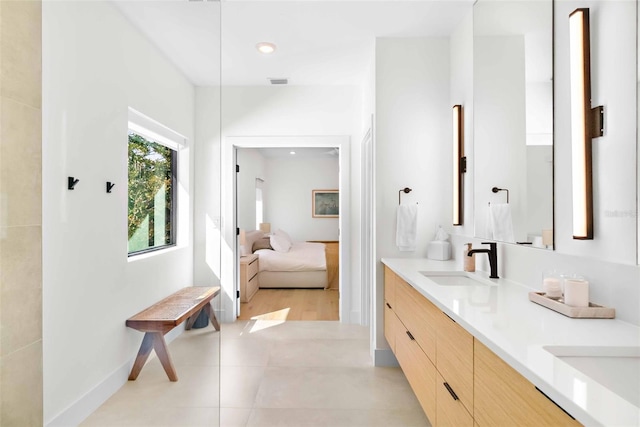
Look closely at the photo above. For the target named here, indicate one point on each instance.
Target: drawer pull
(388, 305)
(449, 317)
(451, 392)
(410, 336)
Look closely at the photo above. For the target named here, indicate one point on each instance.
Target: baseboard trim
(86, 405)
(384, 357)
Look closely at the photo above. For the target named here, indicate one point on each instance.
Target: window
(259, 204)
(152, 194)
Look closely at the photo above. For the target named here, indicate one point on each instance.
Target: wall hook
(71, 182)
(110, 186)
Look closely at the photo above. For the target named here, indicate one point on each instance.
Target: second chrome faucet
(492, 252)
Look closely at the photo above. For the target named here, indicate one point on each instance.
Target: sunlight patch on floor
(262, 324)
(274, 315)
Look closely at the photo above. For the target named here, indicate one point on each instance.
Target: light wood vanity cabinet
(419, 370)
(454, 359)
(420, 313)
(390, 319)
(401, 326)
(390, 326)
(457, 380)
(450, 412)
(390, 279)
(503, 397)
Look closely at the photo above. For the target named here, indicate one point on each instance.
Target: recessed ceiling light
(292, 152)
(265, 47)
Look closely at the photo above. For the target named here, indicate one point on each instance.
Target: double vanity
(477, 352)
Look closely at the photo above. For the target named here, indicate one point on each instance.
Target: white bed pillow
(284, 234)
(279, 243)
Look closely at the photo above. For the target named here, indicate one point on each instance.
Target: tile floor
(268, 373)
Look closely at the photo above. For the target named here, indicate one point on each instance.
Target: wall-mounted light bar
(586, 123)
(459, 163)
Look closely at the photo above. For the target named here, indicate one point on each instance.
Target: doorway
(339, 243)
(276, 190)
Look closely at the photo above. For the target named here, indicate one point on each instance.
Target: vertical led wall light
(586, 123)
(459, 163)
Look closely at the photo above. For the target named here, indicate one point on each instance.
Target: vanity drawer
(504, 397)
(419, 315)
(420, 372)
(390, 326)
(454, 358)
(451, 412)
(390, 280)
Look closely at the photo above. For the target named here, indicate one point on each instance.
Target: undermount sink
(616, 368)
(454, 278)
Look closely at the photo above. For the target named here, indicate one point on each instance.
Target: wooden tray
(594, 311)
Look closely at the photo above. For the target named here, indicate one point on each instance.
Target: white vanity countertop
(516, 329)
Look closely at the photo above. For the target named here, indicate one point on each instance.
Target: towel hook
(406, 190)
(496, 189)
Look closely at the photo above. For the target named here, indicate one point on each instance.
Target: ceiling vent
(279, 81)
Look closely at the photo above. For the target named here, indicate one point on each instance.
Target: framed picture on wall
(325, 204)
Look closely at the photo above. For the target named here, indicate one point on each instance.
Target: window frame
(174, 195)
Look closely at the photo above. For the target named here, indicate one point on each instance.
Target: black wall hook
(110, 186)
(71, 182)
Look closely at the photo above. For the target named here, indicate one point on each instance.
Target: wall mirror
(513, 121)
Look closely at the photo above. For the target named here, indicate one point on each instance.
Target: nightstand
(248, 277)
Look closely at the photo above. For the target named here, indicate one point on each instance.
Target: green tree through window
(151, 195)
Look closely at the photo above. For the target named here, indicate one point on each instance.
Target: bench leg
(143, 355)
(153, 340)
(191, 320)
(212, 316)
(162, 351)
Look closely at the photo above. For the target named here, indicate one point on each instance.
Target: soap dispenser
(469, 262)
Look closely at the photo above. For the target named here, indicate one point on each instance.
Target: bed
(303, 265)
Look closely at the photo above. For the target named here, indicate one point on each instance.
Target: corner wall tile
(20, 287)
(21, 373)
(21, 51)
(20, 163)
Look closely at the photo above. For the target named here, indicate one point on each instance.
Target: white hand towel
(501, 223)
(406, 227)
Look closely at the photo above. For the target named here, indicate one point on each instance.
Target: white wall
(207, 199)
(539, 202)
(290, 183)
(95, 65)
(499, 129)
(413, 134)
(363, 175)
(252, 165)
(613, 76)
(461, 89)
(609, 260)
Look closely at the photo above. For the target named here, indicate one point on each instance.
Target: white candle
(576, 292)
(552, 287)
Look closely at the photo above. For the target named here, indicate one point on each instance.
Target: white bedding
(303, 256)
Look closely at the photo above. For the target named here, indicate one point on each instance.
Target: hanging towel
(501, 223)
(406, 227)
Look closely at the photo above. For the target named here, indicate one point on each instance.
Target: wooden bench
(165, 315)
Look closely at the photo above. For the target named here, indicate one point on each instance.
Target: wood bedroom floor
(292, 304)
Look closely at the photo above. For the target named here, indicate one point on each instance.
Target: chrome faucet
(493, 257)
